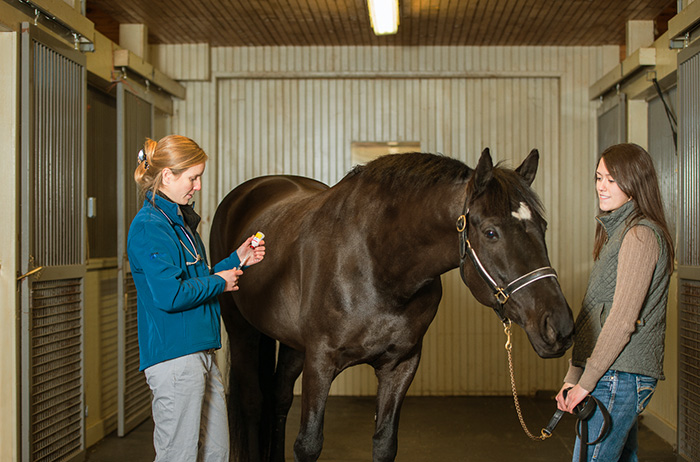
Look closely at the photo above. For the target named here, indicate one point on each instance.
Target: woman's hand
(251, 255)
(231, 278)
(561, 401)
(574, 396)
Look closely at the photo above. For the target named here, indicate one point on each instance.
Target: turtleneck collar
(611, 220)
(190, 217)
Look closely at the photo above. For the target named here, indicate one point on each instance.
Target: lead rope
(509, 346)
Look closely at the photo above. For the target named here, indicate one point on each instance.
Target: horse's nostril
(550, 333)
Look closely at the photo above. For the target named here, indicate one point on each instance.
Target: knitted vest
(644, 354)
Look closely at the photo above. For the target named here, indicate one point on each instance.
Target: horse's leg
(290, 363)
(251, 363)
(393, 382)
(319, 372)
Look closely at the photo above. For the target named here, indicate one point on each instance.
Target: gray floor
(432, 429)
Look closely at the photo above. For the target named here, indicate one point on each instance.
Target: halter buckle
(461, 223)
(501, 296)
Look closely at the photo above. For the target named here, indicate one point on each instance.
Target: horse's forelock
(506, 192)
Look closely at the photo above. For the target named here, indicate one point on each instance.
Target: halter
(501, 293)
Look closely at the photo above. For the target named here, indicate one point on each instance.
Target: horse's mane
(414, 172)
(411, 172)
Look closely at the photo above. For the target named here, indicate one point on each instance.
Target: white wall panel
(182, 62)
(297, 110)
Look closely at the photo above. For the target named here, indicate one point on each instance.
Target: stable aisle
(432, 429)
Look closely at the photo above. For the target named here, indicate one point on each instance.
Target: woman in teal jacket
(179, 325)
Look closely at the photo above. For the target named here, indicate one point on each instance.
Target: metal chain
(509, 346)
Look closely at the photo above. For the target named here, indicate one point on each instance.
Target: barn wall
(9, 226)
(296, 110)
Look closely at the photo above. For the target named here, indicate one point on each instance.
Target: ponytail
(178, 153)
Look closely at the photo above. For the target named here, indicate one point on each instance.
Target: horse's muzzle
(556, 334)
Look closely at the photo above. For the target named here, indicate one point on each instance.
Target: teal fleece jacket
(177, 309)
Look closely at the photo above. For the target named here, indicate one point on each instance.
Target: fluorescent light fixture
(384, 16)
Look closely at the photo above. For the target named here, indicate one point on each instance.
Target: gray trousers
(189, 410)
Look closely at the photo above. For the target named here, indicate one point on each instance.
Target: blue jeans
(625, 396)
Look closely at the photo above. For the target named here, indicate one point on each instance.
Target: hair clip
(142, 158)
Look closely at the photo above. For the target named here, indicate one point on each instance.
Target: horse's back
(251, 205)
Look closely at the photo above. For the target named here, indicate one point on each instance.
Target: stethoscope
(197, 257)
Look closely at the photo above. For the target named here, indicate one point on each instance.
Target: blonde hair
(178, 153)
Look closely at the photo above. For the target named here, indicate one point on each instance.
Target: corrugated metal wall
(296, 110)
(664, 406)
(689, 156)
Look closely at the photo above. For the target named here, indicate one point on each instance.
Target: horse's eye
(491, 234)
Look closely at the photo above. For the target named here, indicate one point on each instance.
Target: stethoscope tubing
(196, 254)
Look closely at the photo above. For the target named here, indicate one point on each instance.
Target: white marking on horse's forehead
(523, 213)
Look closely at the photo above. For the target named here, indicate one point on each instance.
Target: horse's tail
(252, 360)
(250, 403)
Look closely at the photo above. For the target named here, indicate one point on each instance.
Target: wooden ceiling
(346, 22)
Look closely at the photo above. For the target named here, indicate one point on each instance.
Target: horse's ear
(528, 168)
(483, 172)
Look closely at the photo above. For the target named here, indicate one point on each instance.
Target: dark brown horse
(352, 275)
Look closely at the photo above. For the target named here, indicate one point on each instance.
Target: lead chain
(509, 346)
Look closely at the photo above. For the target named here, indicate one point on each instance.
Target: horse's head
(504, 255)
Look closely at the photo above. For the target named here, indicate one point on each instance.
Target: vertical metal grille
(137, 393)
(53, 107)
(135, 116)
(689, 372)
(56, 349)
(689, 252)
(689, 161)
(108, 352)
(58, 108)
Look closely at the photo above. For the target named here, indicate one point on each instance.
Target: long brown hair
(178, 153)
(633, 170)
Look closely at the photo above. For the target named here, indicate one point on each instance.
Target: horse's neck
(421, 237)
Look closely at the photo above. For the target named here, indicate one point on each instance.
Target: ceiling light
(384, 16)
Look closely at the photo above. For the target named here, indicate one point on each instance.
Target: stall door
(689, 253)
(612, 122)
(52, 248)
(134, 125)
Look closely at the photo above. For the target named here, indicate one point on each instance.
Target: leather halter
(502, 294)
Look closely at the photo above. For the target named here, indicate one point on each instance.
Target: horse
(352, 276)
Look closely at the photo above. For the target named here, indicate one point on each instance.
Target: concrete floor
(479, 429)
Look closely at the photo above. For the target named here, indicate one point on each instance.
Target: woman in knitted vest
(619, 343)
